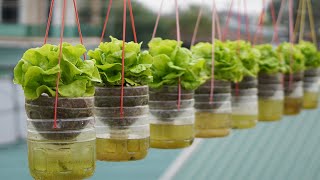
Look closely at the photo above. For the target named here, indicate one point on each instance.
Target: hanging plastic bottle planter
(293, 79)
(271, 96)
(121, 100)
(311, 88)
(59, 88)
(175, 76)
(122, 124)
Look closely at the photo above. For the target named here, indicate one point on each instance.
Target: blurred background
(284, 150)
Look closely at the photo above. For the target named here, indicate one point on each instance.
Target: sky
(253, 6)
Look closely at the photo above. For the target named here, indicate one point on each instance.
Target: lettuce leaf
(311, 54)
(108, 59)
(38, 69)
(248, 55)
(270, 62)
(288, 52)
(227, 65)
(171, 62)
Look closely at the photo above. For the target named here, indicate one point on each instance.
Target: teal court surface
(288, 149)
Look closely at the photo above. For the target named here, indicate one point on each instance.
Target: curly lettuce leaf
(248, 55)
(38, 69)
(270, 62)
(227, 65)
(171, 62)
(108, 59)
(294, 60)
(311, 54)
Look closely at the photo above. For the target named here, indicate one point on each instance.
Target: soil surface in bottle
(240, 121)
(310, 100)
(170, 136)
(112, 149)
(63, 161)
(292, 106)
(270, 109)
(209, 124)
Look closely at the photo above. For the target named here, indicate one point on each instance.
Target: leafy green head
(38, 69)
(227, 65)
(311, 54)
(294, 60)
(248, 55)
(137, 64)
(270, 62)
(171, 62)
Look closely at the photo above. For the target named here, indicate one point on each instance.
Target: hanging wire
(49, 22)
(259, 32)
(132, 22)
(179, 40)
(59, 62)
(291, 38)
(312, 26)
(106, 21)
(247, 20)
(218, 24)
(226, 27)
(157, 21)
(123, 54)
(78, 25)
(213, 50)
(195, 32)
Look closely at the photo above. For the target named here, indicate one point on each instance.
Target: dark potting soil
(72, 114)
(107, 105)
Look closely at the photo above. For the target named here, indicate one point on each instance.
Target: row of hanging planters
(90, 90)
(102, 108)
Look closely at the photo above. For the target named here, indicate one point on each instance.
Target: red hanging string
(123, 54)
(291, 40)
(78, 24)
(106, 21)
(247, 19)
(59, 62)
(239, 38)
(213, 50)
(226, 27)
(195, 32)
(179, 40)
(49, 22)
(259, 33)
(218, 24)
(274, 22)
(132, 22)
(275, 37)
(157, 21)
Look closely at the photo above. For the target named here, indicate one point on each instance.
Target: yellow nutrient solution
(270, 109)
(122, 149)
(208, 125)
(292, 106)
(63, 161)
(310, 100)
(241, 121)
(169, 136)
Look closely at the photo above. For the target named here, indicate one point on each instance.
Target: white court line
(177, 164)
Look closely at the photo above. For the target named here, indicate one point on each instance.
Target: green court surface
(283, 150)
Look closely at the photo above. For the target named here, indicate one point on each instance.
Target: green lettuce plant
(311, 54)
(294, 60)
(270, 61)
(171, 62)
(108, 58)
(38, 69)
(227, 65)
(248, 55)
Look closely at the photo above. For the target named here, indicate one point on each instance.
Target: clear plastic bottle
(123, 138)
(293, 94)
(171, 127)
(213, 119)
(271, 97)
(65, 152)
(245, 104)
(311, 89)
